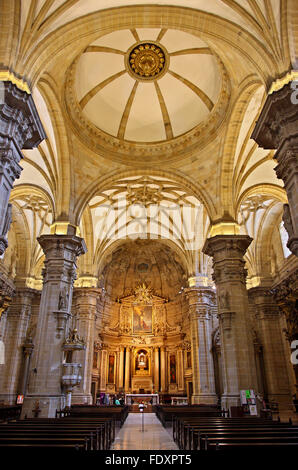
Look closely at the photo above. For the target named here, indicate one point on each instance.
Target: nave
(154, 436)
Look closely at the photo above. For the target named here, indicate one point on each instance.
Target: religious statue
(287, 220)
(63, 300)
(7, 221)
(142, 360)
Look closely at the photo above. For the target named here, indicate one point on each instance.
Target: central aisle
(154, 437)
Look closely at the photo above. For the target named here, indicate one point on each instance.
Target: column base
(204, 399)
(81, 399)
(47, 406)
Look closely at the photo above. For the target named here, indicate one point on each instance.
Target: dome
(146, 85)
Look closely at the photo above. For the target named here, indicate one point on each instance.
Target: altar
(131, 398)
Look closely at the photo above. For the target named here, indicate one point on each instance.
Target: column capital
(20, 123)
(265, 305)
(227, 252)
(20, 128)
(61, 252)
(227, 246)
(61, 246)
(278, 119)
(277, 128)
(87, 292)
(200, 294)
(200, 300)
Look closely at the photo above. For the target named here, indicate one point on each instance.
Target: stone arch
(185, 183)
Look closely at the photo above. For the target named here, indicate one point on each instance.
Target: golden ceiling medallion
(146, 60)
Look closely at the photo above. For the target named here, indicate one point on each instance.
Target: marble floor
(154, 436)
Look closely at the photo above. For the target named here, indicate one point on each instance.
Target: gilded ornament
(146, 61)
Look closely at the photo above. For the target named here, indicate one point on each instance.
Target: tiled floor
(154, 437)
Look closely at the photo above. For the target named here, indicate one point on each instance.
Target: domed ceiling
(143, 261)
(147, 85)
(137, 96)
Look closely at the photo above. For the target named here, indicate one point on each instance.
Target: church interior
(149, 206)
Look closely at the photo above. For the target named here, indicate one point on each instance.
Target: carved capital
(287, 164)
(278, 120)
(19, 120)
(227, 252)
(61, 252)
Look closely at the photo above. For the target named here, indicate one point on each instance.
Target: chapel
(148, 203)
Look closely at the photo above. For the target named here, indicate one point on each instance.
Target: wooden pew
(88, 434)
(195, 433)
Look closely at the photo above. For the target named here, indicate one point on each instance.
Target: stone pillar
(103, 371)
(163, 370)
(156, 369)
(200, 300)
(127, 370)
(268, 321)
(59, 272)
(236, 340)
(20, 128)
(180, 371)
(85, 304)
(27, 351)
(17, 323)
(121, 367)
(277, 128)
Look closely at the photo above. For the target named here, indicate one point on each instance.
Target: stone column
(59, 272)
(277, 128)
(180, 371)
(20, 128)
(18, 318)
(85, 304)
(200, 300)
(121, 367)
(156, 369)
(268, 321)
(27, 351)
(127, 370)
(236, 340)
(103, 371)
(163, 370)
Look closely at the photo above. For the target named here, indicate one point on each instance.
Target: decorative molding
(7, 76)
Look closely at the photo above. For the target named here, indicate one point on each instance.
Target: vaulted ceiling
(143, 100)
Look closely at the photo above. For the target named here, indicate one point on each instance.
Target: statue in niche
(287, 220)
(8, 220)
(63, 299)
(142, 360)
(13, 263)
